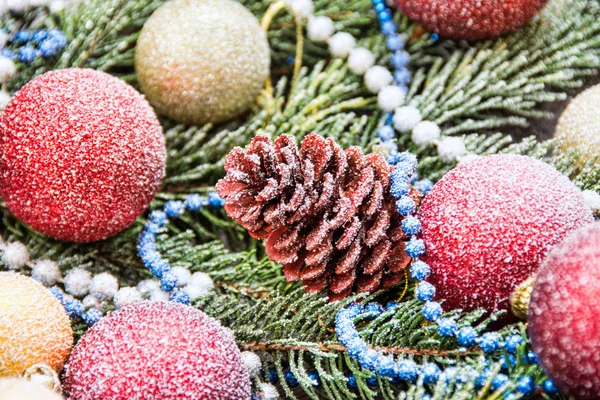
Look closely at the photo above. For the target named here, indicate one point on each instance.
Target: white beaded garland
(302, 8)
(7, 68)
(592, 199)
(320, 29)
(127, 295)
(378, 77)
(360, 60)
(147, 286)
(425, 133)
(406, 118)
(390, 98)
(268, 391)
(200, 284)
(341, 44)
(77, 282)
(15, 255)
(46, 272)
(104, 286)
(159, 295)
(182, 274)
(3, 39)
(451, 149)
(252, 362)
(90, 301)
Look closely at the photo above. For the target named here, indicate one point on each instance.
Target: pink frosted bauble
(489, 223)
(564, 314)
(157, 350)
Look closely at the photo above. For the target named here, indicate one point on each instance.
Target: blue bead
(374, 308)
(424, 186)
(372, 380)
(215, 201)
(513, 342)
(193, 203)
(22, 37)
(426, 397)
(315, 378)
(499, 381)
(91, 317)
(388, 28)
(467, 336)
(379, 7)
(59, 37)
(449, 374)
(508, 362)
(484, 377)
(405, 205)
(446, 327)
(158, 217)
(411, 225)
(49, 48)
(400, 59)
(384, 16)
(415, 248)
(549, 387)
(174, 208)
(273, 377)
(402, 77)
(352, 381)
(391, 305)
(74, 308)
(27, 54)
(290, 59)
(57, 293)
(39, 35)
(531, 357)
(419, 270)
(369, 359)
(407, 160)
(489, 342)
(407, 370)
(425, 291)
(290, 379)
(8, 53)
(526, 385)
(435, 37)
(386, 367)
(399, 187)
(159, 268)
(181, 297)
(432, 311)
(431, 373)
(168, 281)
(395, 43)
(385, 133)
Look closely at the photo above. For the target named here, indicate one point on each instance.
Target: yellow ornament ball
(201, 61)
(21, 389)
(34, 327)
(579, 125)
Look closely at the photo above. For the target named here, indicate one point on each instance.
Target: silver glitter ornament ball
(201, 61)
(579, 125)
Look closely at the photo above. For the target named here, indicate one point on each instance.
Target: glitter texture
(202, 61)
(156, 350)
(21, 389)
(564, 316)
(81, 155)
(471, 19)
(34, 328)
(489, 223)
(579, 125)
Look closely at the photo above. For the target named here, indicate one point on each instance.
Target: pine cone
(326, 214)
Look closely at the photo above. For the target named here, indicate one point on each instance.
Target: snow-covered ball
(269, 392)
(360, 60)
(341, 44)
(155, 350)
(390, 98)
(302, 8)
(15, 255)
(564, 314)
(147, 286)
(378, 77)
(406, 118)
(182, 274)
(21, 389)
(126, 296)
(104, 286)
(320, 29)
(77, 282)
(7, 68)
(592, 199)
(252, 362)
(46, 272)
(451, 149)
(425, 133)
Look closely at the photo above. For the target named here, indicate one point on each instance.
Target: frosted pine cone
(326, 214)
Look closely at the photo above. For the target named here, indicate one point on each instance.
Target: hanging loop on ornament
(44, 375)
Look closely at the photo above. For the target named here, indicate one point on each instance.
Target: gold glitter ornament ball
(34, 327)
(21, 389)
(201, 61)
(579, 125)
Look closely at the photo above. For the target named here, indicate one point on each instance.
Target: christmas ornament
(201, 61)
(471, 19)
(21, 389)
(489, 223)
(156, 350)
(564, 315)
(34, 328)
(579, 125)
(326, 214)
(81, 155)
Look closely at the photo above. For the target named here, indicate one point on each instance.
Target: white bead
(4, 99)
(468, 158)
(202, 279)
(46, 272)
(159, 295)
(451, 148)
(341, 44)
(77, 282)
(390, 98)
(15, 255)
(405, 118)
(268, 391)
(592, 199)
(104, 286)
(57, 6)
(3, 39)
(252, 362)
(360, 60)
(90, 301)
(127, 295)
(183, 275)
(377, 77)
(7, 68)
(302, 8)
(147, 285)
(320, 29)
(425, 133)
(67, 298)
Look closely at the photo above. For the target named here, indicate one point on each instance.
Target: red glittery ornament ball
(157, 350)
(564, 314)
(81, 154)
(471, 19)
(489, 223)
